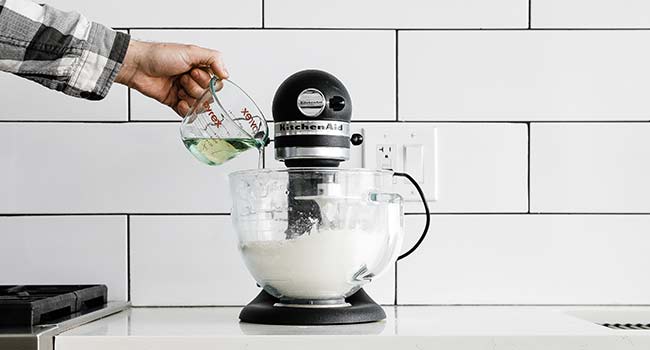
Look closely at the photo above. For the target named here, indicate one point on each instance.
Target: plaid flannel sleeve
(60, 50)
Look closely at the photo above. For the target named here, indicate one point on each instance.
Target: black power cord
(426, 211)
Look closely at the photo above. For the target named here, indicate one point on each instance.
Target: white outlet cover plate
(405, 134)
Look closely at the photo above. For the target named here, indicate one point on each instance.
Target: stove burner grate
(24, 306)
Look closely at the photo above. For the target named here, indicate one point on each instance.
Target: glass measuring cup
(223, 123)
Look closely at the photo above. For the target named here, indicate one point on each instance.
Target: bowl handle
(384, 197)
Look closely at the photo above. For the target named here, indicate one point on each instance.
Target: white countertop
(406, 327)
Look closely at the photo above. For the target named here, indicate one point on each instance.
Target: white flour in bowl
(318, 265)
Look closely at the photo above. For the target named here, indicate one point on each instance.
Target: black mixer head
(312, 112)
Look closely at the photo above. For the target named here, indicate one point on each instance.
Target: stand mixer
(312, 235)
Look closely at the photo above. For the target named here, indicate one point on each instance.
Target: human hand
(172, 74)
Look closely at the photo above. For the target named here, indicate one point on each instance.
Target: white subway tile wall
(523, 75)
(171, 255)
(31, 101)
(527, 259)
(65, 250)
(108, 168)
(259, 60)
(391, 14)
(590, 167)
(590, 14)
(542, 152)
(168, 13)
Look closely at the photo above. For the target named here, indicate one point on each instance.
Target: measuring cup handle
(215, 84)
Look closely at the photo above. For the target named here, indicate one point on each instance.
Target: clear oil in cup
(213, 151)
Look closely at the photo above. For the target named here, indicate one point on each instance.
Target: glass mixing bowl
(316, 235)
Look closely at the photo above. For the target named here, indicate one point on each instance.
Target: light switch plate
(407, 139)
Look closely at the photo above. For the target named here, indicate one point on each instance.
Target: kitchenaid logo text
(311, 98)
(316, 127)
(311, 101)
(304, 126)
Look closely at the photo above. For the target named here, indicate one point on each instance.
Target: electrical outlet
(409, 148)
(386, 156)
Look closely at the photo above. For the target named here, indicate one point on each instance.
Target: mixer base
(262, 309)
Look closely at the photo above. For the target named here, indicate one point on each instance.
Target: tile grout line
(488, 305)
(396, 75)
(529, 14)
(430, 121)
(111, 214)
(533, 213)
(128, 105)
(407, 214)
(263, 156)
(263, 14)
(128, 95)
(390, 29)
(395, 286)
(528, 167)
(128, 256)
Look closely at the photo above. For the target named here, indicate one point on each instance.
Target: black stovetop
(39, 304)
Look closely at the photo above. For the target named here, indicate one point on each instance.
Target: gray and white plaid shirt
(60, 50)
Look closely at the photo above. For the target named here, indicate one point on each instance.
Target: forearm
(60, 50)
